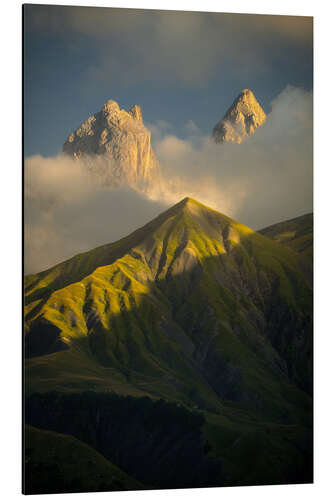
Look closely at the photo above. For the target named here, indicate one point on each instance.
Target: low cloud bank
(68, 211)
(266, 179)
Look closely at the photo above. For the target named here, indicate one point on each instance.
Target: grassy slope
(296, 234)
(257, 452)
(59, 463)
(129, 304)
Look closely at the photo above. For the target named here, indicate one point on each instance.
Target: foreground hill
(193, 309)
(59, 463)
(296, 233)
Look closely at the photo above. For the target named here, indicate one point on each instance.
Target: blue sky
(176, 66)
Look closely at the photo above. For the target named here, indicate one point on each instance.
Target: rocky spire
(243, 117)
(117, 147)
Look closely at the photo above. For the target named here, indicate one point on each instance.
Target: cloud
(186, 48)
(159, 129)
(68, 211)
(192, 128)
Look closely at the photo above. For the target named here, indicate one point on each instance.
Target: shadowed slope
(59, 463)
(195, 309)
(164, 301)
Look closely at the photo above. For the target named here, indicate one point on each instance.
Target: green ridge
(296, 234)
(59, 463)
(193, 308)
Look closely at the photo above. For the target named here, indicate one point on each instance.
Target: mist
(68, 211)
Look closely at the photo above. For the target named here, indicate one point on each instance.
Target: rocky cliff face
(117, 146)
(241, 120)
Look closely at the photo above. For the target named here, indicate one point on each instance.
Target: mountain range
(181, 353)
(116, 145)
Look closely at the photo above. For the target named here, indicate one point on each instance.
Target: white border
(11, 246)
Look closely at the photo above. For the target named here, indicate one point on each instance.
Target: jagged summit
(243, 117)
(188, 300)
(136, 112)
(120, 142)
(111, 105)
(120, 117)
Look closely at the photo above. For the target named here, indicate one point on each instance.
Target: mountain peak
(136, 112)
(110, 106)
(191, 204)
(247, 92)
(188, 201)
(122, 142)
(243, 117)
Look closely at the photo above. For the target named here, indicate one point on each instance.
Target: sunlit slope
(296, 233)
(193, 307)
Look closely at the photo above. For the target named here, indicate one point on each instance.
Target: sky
(178, 66)
(184, 69)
